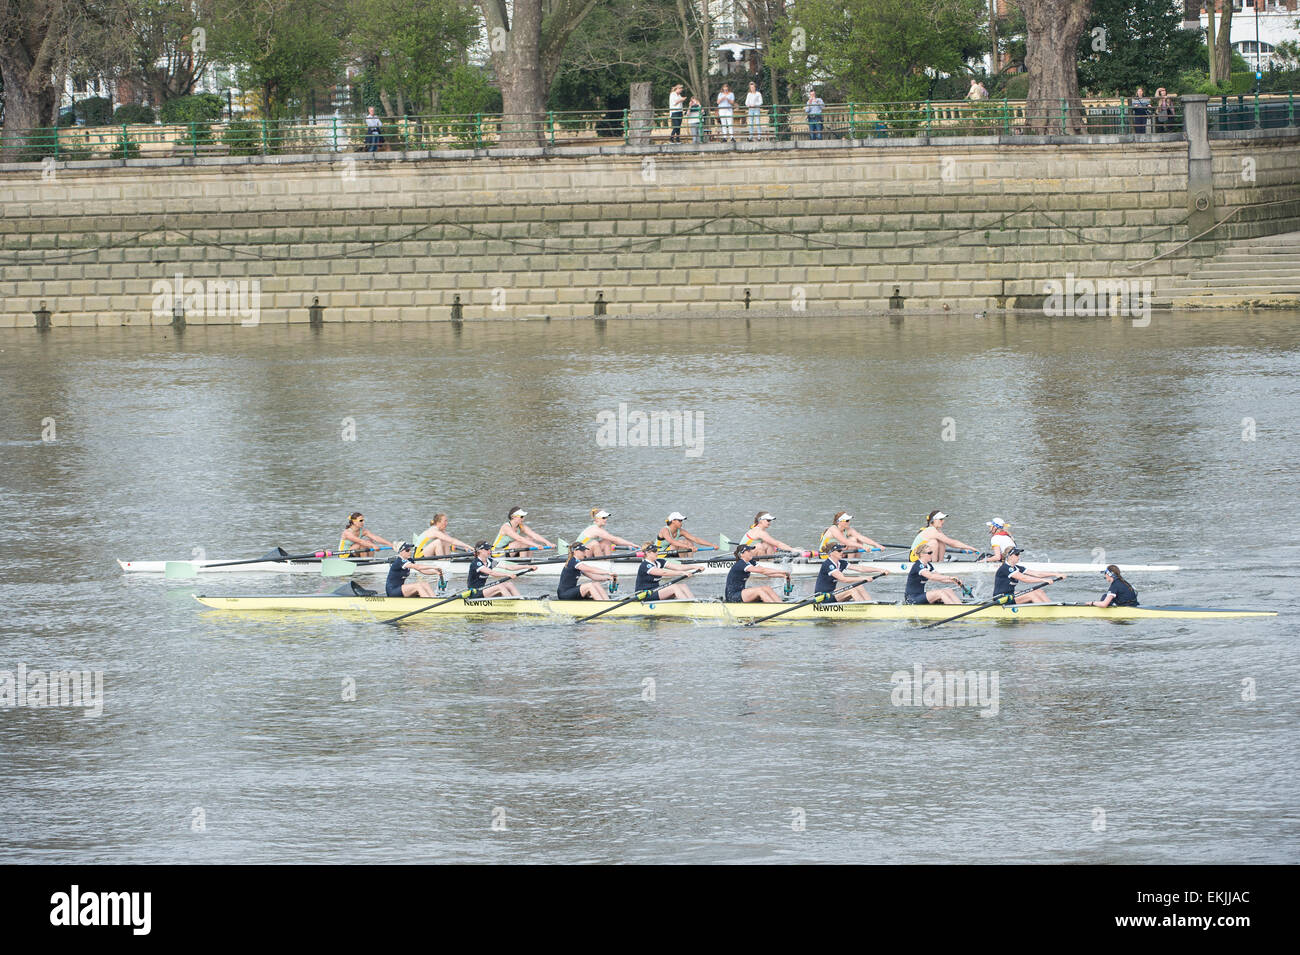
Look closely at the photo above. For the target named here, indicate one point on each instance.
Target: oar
(463, 595)
(995, 602)
(814, 599)
(178, 569)
(639, 595)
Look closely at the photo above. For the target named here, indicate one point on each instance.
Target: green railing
(783, 122)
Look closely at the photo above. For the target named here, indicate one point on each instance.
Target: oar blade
(336, 567)
(180, 570)
(725, 542)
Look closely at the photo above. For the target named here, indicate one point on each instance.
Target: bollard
(600, 303)
(178, 313)
(895, 300)
(457, 310)
(317, 312)
(42, 318)
(746, 299)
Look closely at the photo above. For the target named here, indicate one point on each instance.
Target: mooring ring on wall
(1202, 202)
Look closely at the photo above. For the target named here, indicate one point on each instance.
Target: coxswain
(933, 533)
(436, 542)
(738, 589)
(654, 568)
(765, 545)
(1011, 573)
(515, 536)
(923, 570)
(572, 586)
(834, 575)
(400, 567)
(357, 541)
(841, 531)
(1120, 594)
(598, 538)
(483, 567)
(1000, 540)
(674, 539)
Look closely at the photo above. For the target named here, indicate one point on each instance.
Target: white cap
(602, 513)
(996, 522)
(518, 512)
(846, 517)
(766, 517)
(938, 517)
(676, 516)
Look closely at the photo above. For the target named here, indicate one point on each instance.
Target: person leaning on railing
(1141, 110)
(373, 126)
(1164, 112)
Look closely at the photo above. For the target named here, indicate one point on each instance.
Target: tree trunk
(1223, 44)
(642, 114)
(1053, 29)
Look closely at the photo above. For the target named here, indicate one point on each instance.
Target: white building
(1275, 21)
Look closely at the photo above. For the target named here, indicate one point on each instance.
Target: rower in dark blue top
(400, 567)
(1120, 593)
(654, 569)
(832, 576)
(1011, 573)
(484, 567)
(572, 586)
(923, 570)
(738, 589)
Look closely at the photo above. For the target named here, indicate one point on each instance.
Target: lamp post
(1259, 60)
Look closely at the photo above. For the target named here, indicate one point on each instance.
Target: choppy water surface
(657, 741)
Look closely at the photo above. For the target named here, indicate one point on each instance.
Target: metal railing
(781, 123)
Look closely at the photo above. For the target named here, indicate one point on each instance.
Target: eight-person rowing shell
(841, 531)
(572, 587)
(598, 538)
(436, 542)
(675, 539)
(1010, 574)
(356, 541)
(738, 588)
(922, 570)
(653, 569)
(765, 545)
(1120, 594)
(400, 567)
(483, 567)
(835, 575)
(515, 536)
(933, 533)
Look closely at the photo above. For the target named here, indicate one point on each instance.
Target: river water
(227, 739)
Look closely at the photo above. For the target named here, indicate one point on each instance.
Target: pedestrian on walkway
(726, 109)
(754, 112)
(675, 102)
(813, 110)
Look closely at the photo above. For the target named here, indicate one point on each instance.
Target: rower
(357, 541)
(1001, 541)
(933, 533)
(673, 538)
(515, 536)
(571, 587)
(923, 570)
(841, 531)
(1010, 574)
(653, 568)
(436, 542)
(484, 566)
(1120, 594)
(400, 567)
(738, 589)
(765, 545)
(600, 540)
(833, 576)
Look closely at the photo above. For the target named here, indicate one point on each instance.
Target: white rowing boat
(798, 567)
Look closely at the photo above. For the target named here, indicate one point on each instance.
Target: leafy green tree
(880, 50)
(1140, 43)
(410, 46)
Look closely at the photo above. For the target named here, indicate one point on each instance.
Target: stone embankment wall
(811, 228)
